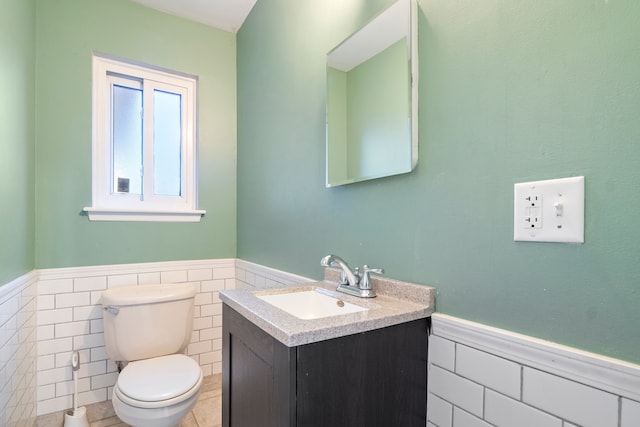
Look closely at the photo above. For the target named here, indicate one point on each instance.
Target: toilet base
(169, 416)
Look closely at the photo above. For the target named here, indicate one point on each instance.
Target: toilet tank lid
(147, 294)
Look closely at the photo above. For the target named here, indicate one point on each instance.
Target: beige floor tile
(189, 421)
(211, 394)
(211, 382)
(50, 420)
(100, 411)
(108, 422)
(206, 413)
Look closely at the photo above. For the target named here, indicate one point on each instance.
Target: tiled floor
(208, 410)
(206, 413)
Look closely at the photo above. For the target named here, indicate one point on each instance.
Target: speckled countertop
(397, 302)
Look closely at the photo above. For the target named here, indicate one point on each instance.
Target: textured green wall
(17, 158)
(68, 32)
(509, 92)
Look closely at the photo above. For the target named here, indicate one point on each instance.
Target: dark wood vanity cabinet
(371, 379)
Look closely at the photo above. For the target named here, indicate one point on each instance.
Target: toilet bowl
(157, 392)
(149, 326)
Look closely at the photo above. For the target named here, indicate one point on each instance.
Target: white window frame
(111, 206)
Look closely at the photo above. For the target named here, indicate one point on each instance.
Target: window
(144, 144)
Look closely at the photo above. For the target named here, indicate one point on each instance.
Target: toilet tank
(147, 320)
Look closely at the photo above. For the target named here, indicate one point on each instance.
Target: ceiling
(226, 15)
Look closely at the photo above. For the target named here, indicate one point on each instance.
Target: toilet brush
(75, 365)
(77, 417)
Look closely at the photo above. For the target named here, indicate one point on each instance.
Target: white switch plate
(549, 211)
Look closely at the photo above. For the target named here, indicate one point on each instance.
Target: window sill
(109, 214)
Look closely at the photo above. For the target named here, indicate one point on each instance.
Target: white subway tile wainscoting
(18, 351)
(70, 318)
(478, 376)
(483, 376)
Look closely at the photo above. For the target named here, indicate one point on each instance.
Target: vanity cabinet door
(258, 376)
(372, 379)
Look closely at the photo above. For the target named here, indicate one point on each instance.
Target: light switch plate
(549, 211)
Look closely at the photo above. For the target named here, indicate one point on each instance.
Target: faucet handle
(366, 279)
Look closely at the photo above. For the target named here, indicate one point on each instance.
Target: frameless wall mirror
(372, 99)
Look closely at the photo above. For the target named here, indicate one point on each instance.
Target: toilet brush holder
(76, 418)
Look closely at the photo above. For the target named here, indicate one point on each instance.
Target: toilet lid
(159, 378)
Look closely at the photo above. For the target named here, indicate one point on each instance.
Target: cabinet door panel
(258, 376)
(373, 379)
(252, 387)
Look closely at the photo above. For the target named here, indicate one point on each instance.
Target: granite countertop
(397, 302)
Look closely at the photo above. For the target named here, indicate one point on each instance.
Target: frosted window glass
(127, 140)
(167, 143)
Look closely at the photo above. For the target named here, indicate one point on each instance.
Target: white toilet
(149, 326)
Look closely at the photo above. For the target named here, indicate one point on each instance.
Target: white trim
(10, 289)
(273, 274)
(107, 214)
(146, 267)
(605, 373)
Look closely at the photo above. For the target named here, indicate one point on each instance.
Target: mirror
(372, 99)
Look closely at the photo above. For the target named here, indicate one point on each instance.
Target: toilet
(146, 330)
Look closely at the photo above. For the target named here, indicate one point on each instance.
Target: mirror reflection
(372, 99)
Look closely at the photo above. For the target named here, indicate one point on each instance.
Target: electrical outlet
(532, 211)
(533, 200)
(549, 211)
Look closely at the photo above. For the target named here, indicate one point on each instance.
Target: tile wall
(478, 376)
(249, 275)
(70, 318)
(17, 351)
(482, 377)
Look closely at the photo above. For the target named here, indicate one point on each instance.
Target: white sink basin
(310, 304)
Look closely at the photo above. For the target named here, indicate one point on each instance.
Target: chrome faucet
(347, 276)
(350, 280)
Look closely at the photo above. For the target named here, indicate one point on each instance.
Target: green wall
(68, 32)
(17, 158)
(337, 124)
(509, 92)
(378, 111)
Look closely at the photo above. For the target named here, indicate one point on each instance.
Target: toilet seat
(159, 381)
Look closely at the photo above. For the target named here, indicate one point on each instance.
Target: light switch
(549, 211)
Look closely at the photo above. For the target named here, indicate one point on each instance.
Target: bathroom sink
(310, 304)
